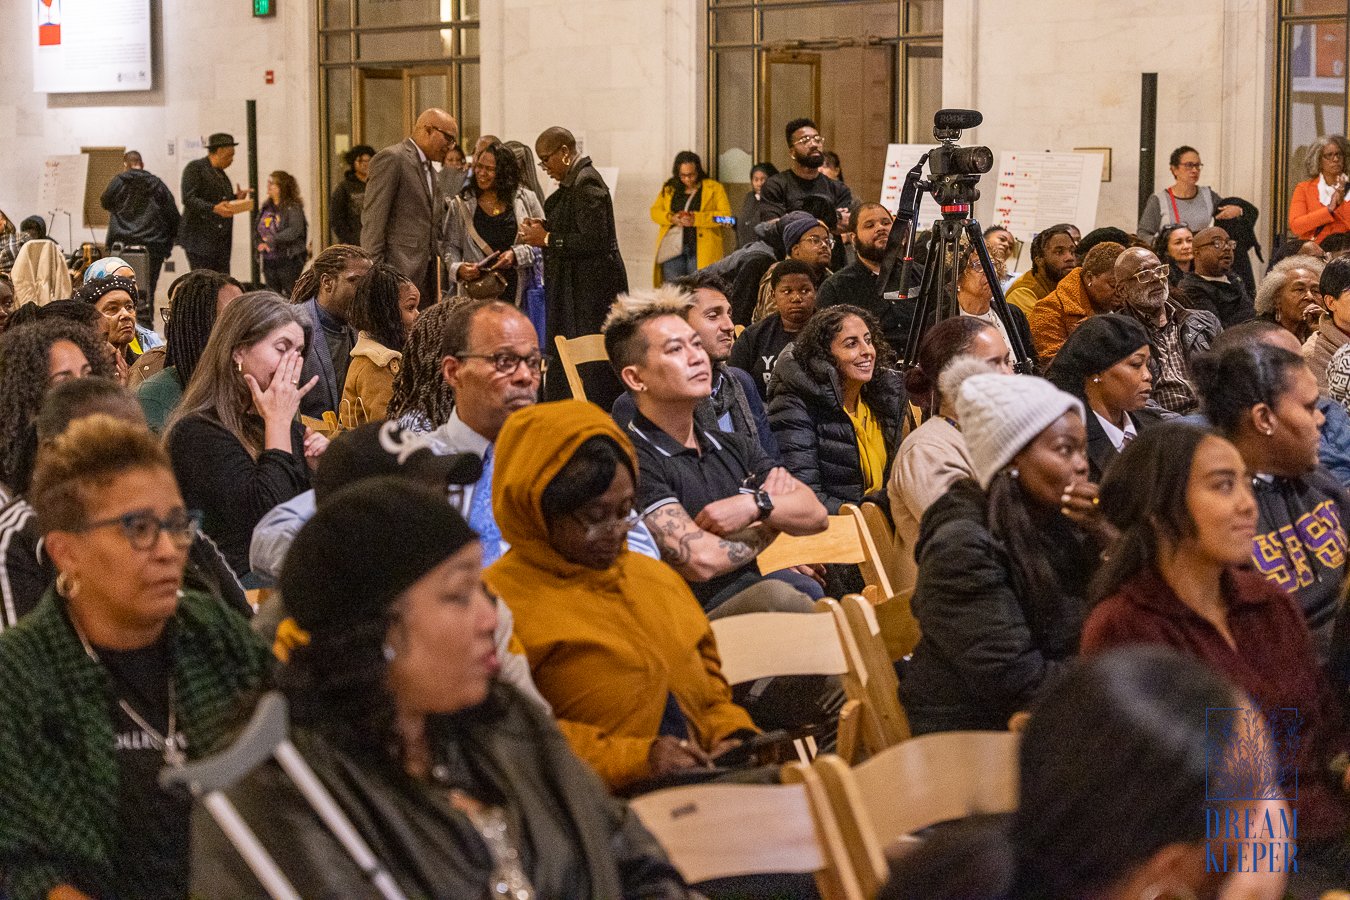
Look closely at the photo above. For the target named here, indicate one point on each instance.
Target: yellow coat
(713, 203)
(606, 647)
(370, 382)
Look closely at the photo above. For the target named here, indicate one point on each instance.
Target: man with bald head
(1210, 286)
(1175, 333)
(404, 207)
(583, 271)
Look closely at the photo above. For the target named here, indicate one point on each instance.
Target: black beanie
(364, 547)
(1095, 346)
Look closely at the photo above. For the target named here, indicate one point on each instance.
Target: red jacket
(1273, 664)
(1310, 219)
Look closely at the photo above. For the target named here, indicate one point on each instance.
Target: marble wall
(1065, 75)
(625, 76)
(206, 66)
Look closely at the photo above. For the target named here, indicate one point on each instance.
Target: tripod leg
(1025, 355)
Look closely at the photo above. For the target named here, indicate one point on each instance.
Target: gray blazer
(318, 361)
(461, 242)
(401, 217)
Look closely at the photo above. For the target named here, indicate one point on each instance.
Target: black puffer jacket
(987, 648)
(815, 435)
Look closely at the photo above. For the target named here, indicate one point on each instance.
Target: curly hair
(419, 387)
(25, 354)
(812, 346)
(1312, 160)
(376, 307)
(506, 180)
(288, 189)
(1277, 276)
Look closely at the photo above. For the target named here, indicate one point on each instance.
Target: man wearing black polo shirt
(712, 500)
(856, 283)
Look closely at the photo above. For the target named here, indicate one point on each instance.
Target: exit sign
(264, 7)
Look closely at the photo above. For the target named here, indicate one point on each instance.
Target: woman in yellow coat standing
(687, 209)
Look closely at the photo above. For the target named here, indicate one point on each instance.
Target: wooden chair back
(920, 782)
(726, 830)
(574, 352)
(882, 688)
(878, 543)
(842, 542)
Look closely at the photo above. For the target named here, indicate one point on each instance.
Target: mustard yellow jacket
(606, 647)
(714, 203)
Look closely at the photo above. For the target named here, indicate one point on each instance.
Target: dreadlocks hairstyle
(376, 307)
(25, 353)
(419, 390)
(192, 315)
(332, 262)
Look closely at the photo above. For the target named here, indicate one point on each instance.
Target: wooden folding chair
(573, 352)
(920, 782)
(776, 644)
(878, 543)
(887, 721)
(727, 830)
(840, 542)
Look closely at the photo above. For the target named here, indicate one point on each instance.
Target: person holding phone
(688, 209)
(479, 242)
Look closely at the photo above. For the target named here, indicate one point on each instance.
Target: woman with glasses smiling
(1318, 207)
(116, 674)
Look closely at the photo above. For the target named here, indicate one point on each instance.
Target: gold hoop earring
(66, 585)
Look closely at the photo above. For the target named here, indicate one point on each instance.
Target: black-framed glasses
(454, 141)
(543, 160)
(1191, 165)
(142, 527)
(507, 363)
(1220, 244)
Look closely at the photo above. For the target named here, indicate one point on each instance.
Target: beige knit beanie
(1001, 414)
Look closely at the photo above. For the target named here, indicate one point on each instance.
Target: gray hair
(1312, 163)
(1269, 288)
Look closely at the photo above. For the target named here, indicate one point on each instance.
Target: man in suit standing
(404, 206)
(583, 271)
(205, 232)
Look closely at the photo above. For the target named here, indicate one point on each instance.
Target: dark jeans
(217, 259)
(281, 274)
(684, 264)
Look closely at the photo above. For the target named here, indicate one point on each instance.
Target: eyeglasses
(817, 241)
(507, 363)
(1219, 244)
(453, 141)
(1333, 154)
(543, 160)
(142, 527)
(1194, 165)
(1158, 273)
(608, 526)
(808, 139)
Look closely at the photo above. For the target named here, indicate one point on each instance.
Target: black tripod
(936, 298)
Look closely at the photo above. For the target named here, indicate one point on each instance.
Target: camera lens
(972, 160)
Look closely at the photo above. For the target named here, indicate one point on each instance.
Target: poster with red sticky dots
(1035, 190)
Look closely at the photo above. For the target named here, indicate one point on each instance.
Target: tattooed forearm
(697, 554)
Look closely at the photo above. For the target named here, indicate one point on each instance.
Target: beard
(871, 252)
(812, 160)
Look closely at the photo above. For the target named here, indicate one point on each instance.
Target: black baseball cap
(386, 448)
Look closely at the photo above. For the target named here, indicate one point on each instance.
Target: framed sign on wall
(91, 46)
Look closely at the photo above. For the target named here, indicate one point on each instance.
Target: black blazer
(583, 271)
(1101, 451)
(204, 186)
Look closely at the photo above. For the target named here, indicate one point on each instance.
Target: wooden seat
(920, 782)
(887, 724)
(775, 644)
(726, 830)
(574, 352)
(841, 542)
(878, 543)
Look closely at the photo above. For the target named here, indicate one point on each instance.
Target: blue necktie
(480, 514)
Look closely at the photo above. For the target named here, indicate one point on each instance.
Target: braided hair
(25, 355)
(419, 387)
(376, 307)
(192, 315)
(333, 261)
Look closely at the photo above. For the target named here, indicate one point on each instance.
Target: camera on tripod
(954, 171)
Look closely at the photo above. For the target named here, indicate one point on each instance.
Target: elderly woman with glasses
(1318, 206)
(116, 674)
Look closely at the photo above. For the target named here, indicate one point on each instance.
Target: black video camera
(954, 171)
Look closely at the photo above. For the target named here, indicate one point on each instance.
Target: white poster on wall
(1036, 190)
(61, 189)
(87, 46)
(900, 158)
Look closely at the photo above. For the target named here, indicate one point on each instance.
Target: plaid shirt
(58, 768)
(9, 251)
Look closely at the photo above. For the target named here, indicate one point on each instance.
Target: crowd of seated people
(494, 617)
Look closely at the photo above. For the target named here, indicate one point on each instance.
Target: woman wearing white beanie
(1004, 560)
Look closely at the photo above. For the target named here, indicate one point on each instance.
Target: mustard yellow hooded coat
(607, 646)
